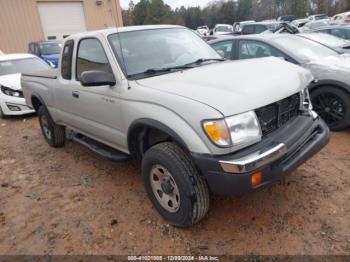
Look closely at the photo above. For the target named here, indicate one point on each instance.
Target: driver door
(93, 110)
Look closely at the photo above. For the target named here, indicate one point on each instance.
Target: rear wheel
(333, 105)
(173, 184)
(55, 135)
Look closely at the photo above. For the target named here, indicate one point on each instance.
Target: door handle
(75, 94)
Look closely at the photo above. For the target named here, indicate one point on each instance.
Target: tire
(55, 135)
(333, 106)
(190, 194)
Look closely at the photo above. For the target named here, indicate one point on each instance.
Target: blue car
(49, 51)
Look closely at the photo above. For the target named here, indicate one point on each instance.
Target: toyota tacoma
(198, 123)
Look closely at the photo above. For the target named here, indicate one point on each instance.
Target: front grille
(273, 116)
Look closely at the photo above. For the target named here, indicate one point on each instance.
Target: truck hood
(12, 81)
(234, 87)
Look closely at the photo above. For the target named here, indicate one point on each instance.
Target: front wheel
(54, 134)
(333, 106)
(174, 186)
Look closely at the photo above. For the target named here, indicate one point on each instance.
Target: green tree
(140, 12)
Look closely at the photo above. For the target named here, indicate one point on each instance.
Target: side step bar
(100, 149)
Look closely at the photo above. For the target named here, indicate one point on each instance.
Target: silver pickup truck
(198, 123)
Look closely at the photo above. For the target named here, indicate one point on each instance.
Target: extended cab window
(66, 64)
(91, 56)
(224, 48)
(253, 49)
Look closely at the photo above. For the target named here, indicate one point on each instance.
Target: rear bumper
(276, 156)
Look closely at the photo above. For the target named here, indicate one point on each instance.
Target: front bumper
(14, 106)
(276, 156)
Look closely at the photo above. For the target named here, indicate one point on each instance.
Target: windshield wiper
(202, 60)
(165, 69)
(153, 71)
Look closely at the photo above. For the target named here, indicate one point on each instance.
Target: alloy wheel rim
(330, 107)
(165, 188)
(45, 126)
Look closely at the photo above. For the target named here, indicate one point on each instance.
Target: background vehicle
(203, 30)
(341, 31)
(330, 92)
(237, 27)
(300, 22)
(318, 17)
(171, 104)
(260, 27)
(313, 25)
(343, 18)
(49, 51)
(11, 96)
(333, 42)
(220, 29)
(286, 18)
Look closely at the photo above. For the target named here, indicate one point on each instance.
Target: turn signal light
(256, 179)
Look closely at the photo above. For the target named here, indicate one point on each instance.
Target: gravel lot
(70, 201)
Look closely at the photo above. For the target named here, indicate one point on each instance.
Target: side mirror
(97, 78)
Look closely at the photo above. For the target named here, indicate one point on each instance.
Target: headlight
(218, 132)
(238, 131)
(10, 92)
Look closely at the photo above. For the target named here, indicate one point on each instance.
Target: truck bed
(51, 74)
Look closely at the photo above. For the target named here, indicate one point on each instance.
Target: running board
(100, 149)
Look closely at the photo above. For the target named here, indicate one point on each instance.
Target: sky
(172, 3)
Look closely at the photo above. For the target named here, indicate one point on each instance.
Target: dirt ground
(70, 201)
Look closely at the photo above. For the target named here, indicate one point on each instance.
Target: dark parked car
(330, 92)
(274, 27)
(258, 28)
(286, 18)
(341, 31)
(49, 51)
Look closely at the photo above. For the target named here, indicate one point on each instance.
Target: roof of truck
(123, 29)
(15, 56)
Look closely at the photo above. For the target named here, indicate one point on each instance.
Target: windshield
(305, 49)
(22, 66)
(140, 51)
(50, 49)
(223, 28)
(327, 39)
(320, 17)
(317, 24)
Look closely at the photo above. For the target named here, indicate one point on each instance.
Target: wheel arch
(144, 133)
(332, 83)
(37, 101)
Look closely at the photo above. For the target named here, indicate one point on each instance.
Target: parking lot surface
(70, 201)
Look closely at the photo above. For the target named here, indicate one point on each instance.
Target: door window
(66, 64)
(224, 48)
(253, 49)
(91, 56)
